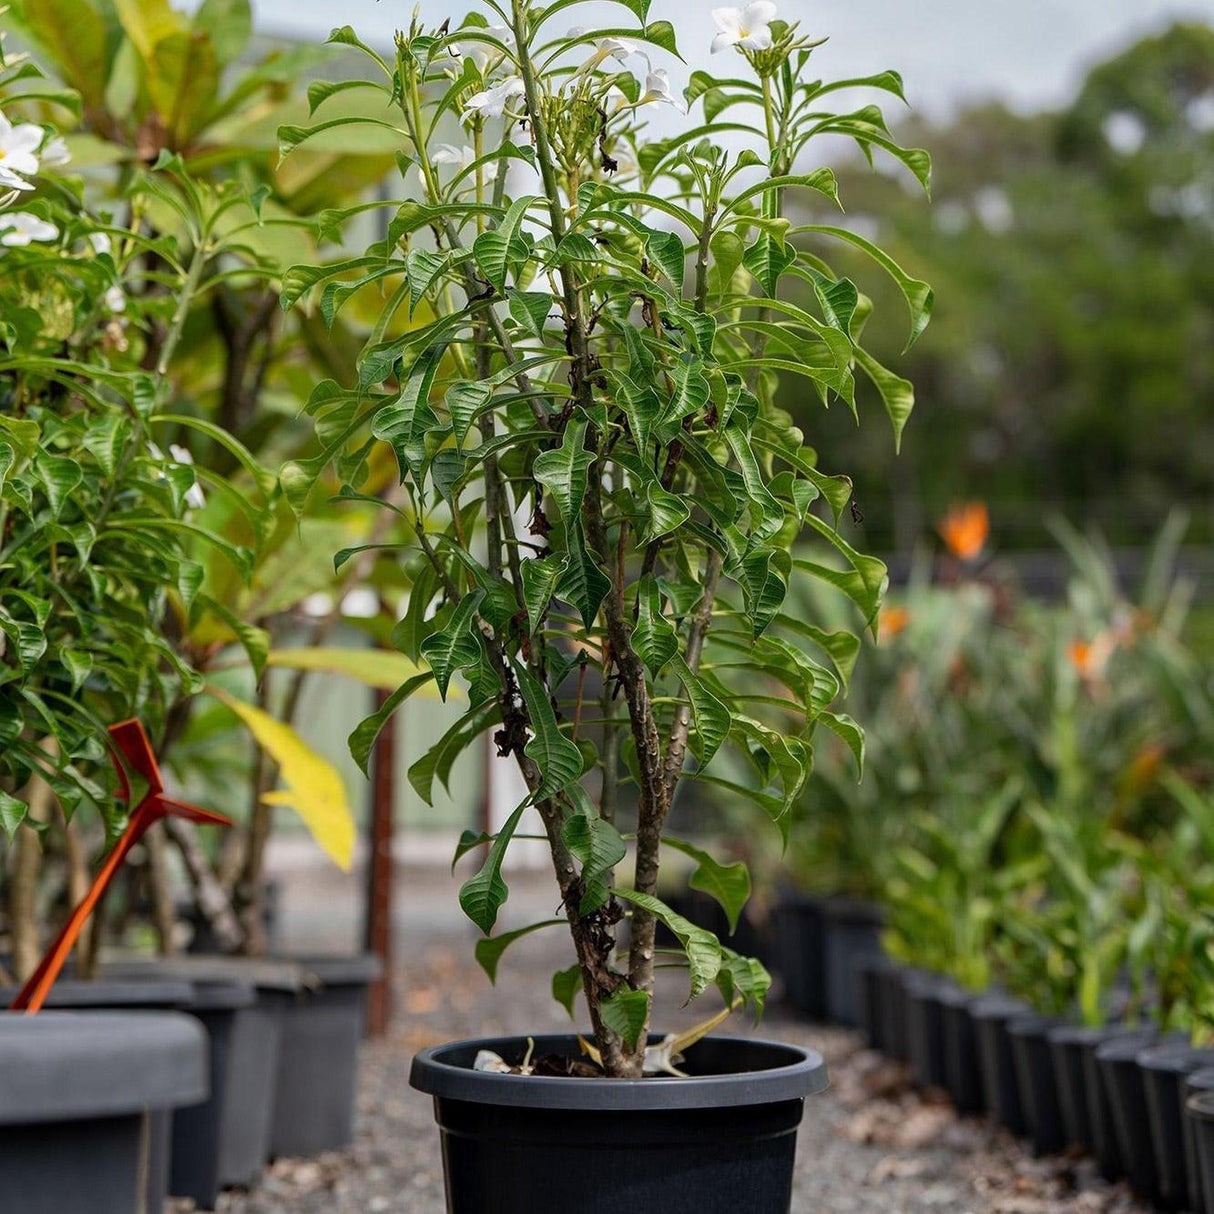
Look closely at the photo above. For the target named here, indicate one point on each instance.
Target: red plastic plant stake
(131, 743)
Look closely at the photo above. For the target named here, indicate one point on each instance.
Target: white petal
(758, 39)
(115, 300)
(729, 20)
(55, 152)
(758, 12)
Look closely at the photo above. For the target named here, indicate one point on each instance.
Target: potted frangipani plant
(584, 329)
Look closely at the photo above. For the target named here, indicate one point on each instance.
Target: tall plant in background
(603, 495)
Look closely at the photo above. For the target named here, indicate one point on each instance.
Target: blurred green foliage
(1070, 364)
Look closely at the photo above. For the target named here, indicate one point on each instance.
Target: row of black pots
(1141, 1103)
(277, 1045)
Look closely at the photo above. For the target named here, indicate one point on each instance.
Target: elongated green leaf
(455, 646)
(729, 884)
(540, 577)
(712, 718)
(653, 636)
(702, 948)
(489, 950)
(563, 471)
(255, 641)
(13, 812)
(897, 394)
(743, 977)
(767, 260)
(850, 732)
(625, 1014)
(565, 987)
(559, 760)
(599, 847)
(583, 583)
(483, 895)
(366, 732)
(495, 249)
(465, 400)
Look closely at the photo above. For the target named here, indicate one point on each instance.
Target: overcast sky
(1031, 52)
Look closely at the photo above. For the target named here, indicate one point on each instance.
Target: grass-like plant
(584, 325)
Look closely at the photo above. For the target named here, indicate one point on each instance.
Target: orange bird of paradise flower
(965, 529)
(892, 621)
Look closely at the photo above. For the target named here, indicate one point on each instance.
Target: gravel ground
(867, 1146)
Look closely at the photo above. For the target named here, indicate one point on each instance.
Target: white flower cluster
(23, 148)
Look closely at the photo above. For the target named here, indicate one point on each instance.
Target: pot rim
(799, 1072)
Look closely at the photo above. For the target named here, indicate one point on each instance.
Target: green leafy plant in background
(604, 498)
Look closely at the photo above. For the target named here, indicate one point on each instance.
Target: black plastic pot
(1066, 1048)
(871, 976)
(962, 1072)
(990, 1016)
(69, 994)
(894, 1032)
(1036, 1084)
(1125, 1091)
(799, 953)
(852, 934)
(1163, 1070)
(723, 1140)
(77, 1095)
(1102, 1126)
(322, 1030)
(1199, 1114)
(925, 1028)
(209, 1139)
(1193, 1084)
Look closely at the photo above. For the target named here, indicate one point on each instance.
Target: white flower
(19, 228)
(615, 100)
(55, 153)
(100, 241)
(608, 48)
(194, 495)
(461, 158)
(17, 158)
(749, 27)
(492, 102)
(657, 90)
(115, 299)
(481, 53)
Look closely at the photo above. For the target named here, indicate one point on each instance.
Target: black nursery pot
(1164, 1069)
(871, 976)
(925, 1028)
(962, 1073)
(1193, 1084)
(1199, 1112)
(893, 1010)
(245, 1077)
(799, 953)
(1125, 1090)
(78, 1095)
(852, 934)
(70, 994)
(722, 1140)
(1035, 1081)
(322, 1028)
(1067, 1043)
(990, 1016)
(1105, 1144)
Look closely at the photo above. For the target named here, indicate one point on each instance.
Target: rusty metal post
(380, 873)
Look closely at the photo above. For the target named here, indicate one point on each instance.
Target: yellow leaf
(314, 789)
(383, 668)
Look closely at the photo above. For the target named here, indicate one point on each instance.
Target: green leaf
(405, 421)
(897, 394)
(465, 400)
(540, 577)
(599, 847)
(255, 641)
(60, 477)
(489, 950)
(667, 511)
(13, 812)
(666, 250)
(712, 718)
(702, 948)
(565, 987)
(563, 471)
(625, 1014)
(483, 895)
(653, 635)
(530, 309)
(366, 732)
(743, 976)
(583, 583)
(918, 294)
(495, 249)
(559, 759)
(766, 259)
(863, 583)
(850, 732)
(455, 646)
(729, 884)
